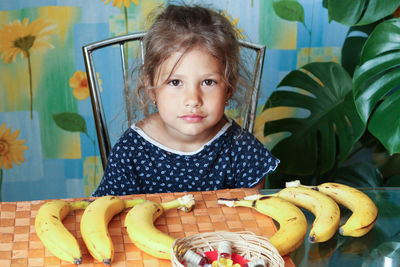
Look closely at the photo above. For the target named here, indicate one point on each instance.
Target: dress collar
(163, 147)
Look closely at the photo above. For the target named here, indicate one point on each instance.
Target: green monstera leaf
(360, 12)
(376, 84)
(359, 174)
(325, 137)
(353, 44)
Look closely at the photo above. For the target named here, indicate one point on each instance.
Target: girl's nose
(193, 97)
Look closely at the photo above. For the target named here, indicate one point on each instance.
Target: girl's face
(191, 95)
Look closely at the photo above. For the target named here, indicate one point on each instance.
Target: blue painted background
(62, 164)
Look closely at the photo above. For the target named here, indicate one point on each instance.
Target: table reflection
(380, 247)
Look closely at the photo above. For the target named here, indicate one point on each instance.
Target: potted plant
(348, 109)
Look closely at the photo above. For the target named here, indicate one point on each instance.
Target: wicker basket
(245, 244)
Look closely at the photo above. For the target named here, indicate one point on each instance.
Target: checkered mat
(20, 246)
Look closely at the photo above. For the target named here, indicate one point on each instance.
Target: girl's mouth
(192, 118)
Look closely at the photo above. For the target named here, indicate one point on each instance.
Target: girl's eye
(175, 82)
(208, 82)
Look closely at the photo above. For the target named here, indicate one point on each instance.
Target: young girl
(191, 71)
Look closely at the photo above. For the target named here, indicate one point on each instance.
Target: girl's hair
(180, 28)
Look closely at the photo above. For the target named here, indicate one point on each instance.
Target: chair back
(122, 41)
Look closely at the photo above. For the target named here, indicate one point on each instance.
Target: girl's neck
(154, 127)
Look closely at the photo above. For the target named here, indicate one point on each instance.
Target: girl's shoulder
(237, 133)
(235, 128)
(136, 132)
(241, 141)
(128, 139)
(246, 147)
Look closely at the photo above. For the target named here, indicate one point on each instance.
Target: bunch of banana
(364, 210)
(139, 224)
(52, 232)
(292, 222)
(94, 225)
(325, 209)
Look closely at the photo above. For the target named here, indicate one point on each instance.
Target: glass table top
(379, 247)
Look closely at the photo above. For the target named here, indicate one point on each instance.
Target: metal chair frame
(98, 111)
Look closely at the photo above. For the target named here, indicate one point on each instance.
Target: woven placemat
(20, 246)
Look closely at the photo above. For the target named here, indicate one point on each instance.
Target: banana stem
(133, 202)
(296, 183)
(253, 197)
(171, 204)
(79, 205)
(185, 203)
(234, 202)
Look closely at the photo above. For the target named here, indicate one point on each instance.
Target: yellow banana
(94, 225)
(139, 223)
(52, 232)
(325, 209)
(292, 222)
(364, 210)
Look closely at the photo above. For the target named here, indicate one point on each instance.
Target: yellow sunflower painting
(234, 22)
(11, 150)
(25, 38)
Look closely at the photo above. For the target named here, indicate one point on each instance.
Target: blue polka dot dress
(138, 164)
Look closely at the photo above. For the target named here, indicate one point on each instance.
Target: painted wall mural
(48, 143)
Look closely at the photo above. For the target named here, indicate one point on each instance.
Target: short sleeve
(253, 161)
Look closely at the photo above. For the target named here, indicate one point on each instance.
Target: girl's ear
(151, 94)
(229, 94)
(149, 90)
(147, 81)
